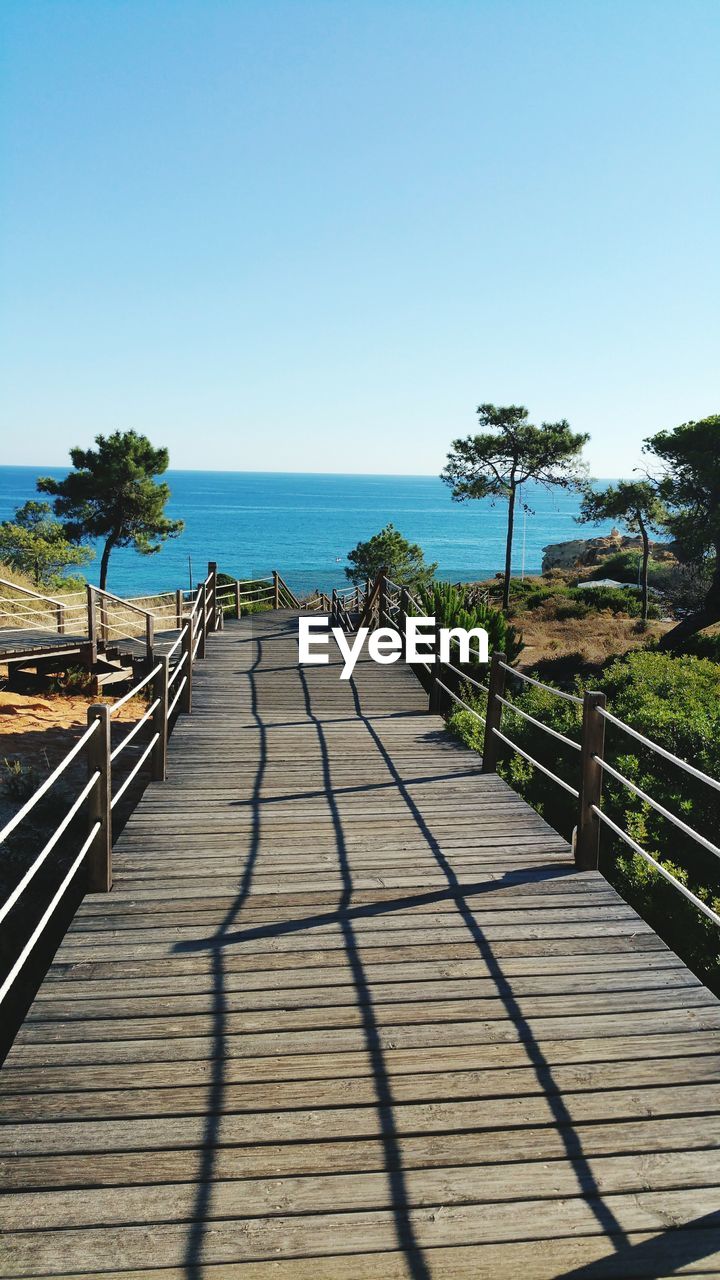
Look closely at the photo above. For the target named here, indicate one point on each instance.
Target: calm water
(304, 525)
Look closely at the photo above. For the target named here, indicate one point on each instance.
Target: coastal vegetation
(458, 606)
(638, 506)
(690, 487)
(403, 561)
(505, 455)
(675, 702)
(34, 544)
(111, 495)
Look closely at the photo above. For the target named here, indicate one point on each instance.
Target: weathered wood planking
(350, 1011)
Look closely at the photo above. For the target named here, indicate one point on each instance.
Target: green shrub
(614, 599)
(75, 680)
(20, 781)
(675, 702)
(450, 607)
(623, 567)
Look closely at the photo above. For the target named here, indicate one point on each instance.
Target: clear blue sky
(315, 235)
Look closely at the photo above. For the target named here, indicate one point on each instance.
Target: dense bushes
(560, 602)
(623, 567)
(451, 607)
(676, 703)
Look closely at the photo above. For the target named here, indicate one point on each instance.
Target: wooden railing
(36, 616)
(169, 686)
(388, 604)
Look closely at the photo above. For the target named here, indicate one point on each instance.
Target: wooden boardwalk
(349, 1012)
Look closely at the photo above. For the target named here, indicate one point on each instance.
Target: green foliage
(675, 702)
(638, 505)
(388, 549)
(634, 503)
(35, 544)
(111, 494)
(614, 600)
(691, 490)
(563, 602)
(20, 781)
(451, 607)
(73, 681)
(703, 646)
(510, 451)
(623, 567)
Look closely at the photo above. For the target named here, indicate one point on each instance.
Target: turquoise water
(304, 525)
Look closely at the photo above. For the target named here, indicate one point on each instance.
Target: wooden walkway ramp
(350, 1012)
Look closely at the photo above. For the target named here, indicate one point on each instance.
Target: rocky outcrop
(590, 551)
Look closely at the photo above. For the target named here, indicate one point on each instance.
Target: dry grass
(591, 640)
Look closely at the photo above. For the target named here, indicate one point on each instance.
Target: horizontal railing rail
(392, 603)
(168, 688)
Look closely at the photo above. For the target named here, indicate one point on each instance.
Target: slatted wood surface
(350, 1012)
(32, 642)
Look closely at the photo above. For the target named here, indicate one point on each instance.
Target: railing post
(104, 625)
(382, 598)
(186, 645)
(592, 751)
(149, 635)
(276, 589)
(159, 720)
(99, 855)
(60, 619)
(178, 608)
(403, 614)
(334, 608)
(91, 615)
(435, 693)
(237, 598)
(201, 619)
(496, 687)
(212, 574)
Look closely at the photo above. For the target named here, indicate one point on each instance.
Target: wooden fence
(168, 688)
(390, 604)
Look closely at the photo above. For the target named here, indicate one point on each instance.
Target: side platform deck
(350, 1013)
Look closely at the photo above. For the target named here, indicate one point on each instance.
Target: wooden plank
(348, 990)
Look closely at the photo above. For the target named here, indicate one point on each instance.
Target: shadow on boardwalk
(345, 915)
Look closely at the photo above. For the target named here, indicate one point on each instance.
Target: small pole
(178, 608)
(159, 720)
(91, 615)
(99, 855)
(382, 598)
(212, 574)
(276, 589)
(104, 627)
(237, 598)
(334, 608)
(592, 751)
(149, 635)
(403, 613)
(186, 649)
(496, 685)
(201, 619)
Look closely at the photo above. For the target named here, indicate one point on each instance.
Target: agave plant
(451, 606)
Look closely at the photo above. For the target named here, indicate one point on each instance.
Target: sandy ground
(39, 729)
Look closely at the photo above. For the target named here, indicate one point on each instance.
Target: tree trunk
(508, 548)
(704, 617)
(104, 563)
(645, 559)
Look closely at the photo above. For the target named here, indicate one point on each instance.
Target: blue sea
(303, 525)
